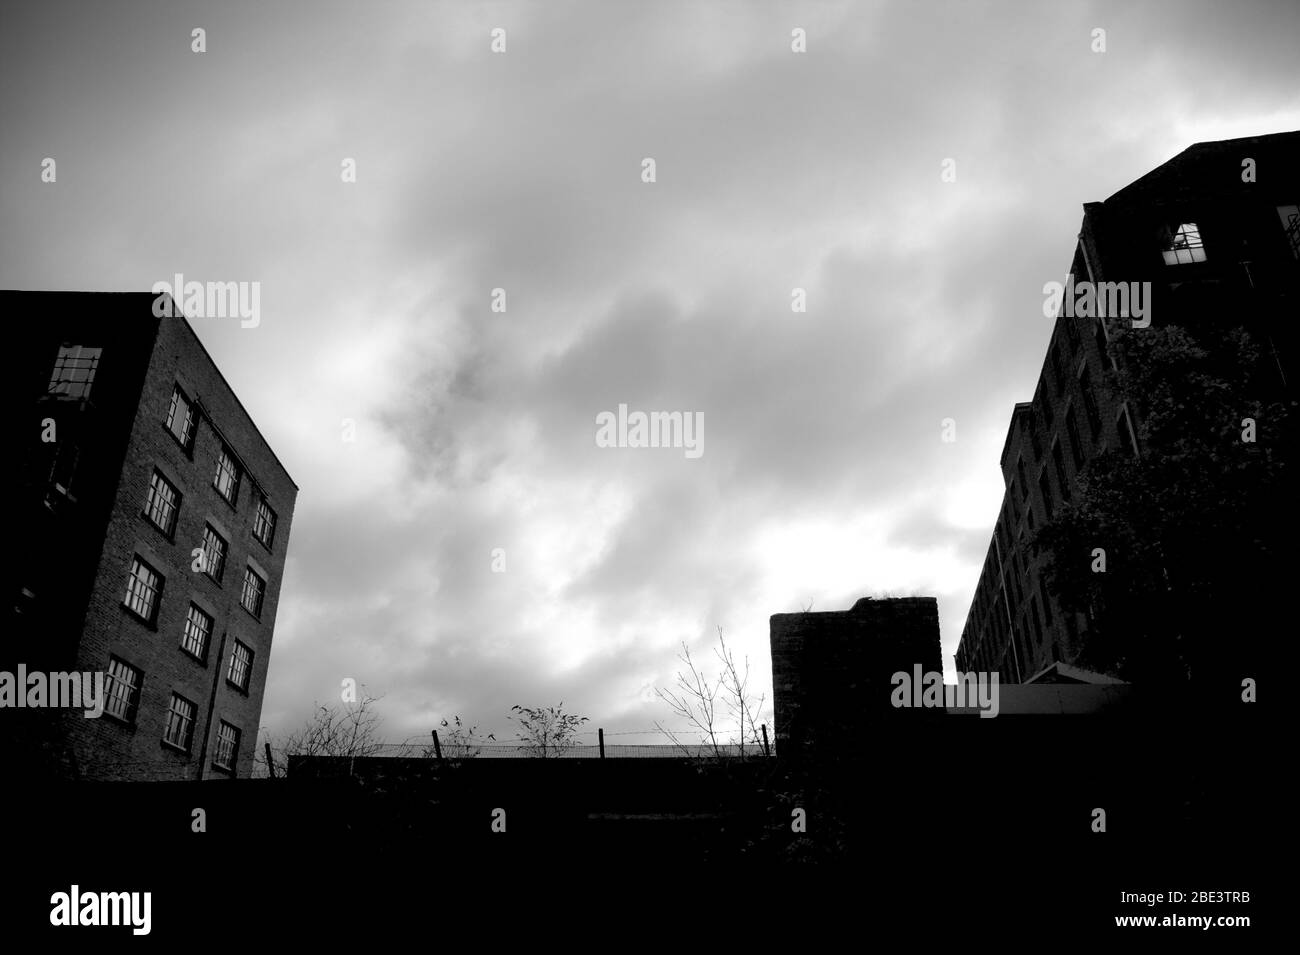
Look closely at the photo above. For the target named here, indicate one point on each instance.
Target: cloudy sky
(823, 476)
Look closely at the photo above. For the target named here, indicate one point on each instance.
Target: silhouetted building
(151, 522)
(1216, 231)
(831, 671)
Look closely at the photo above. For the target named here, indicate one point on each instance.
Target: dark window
(122, 690)
(180, 723)
(1102, 345)
(143, 588)
(1072, 432)
(74, 371)
(214, 553)
(264, 522)
(1125, 429)
(1089, 402)
(1049, 416)
(1058, 460)
(1032, 425)
(1045, 486)
(162, 503)
(1056, 366)
(253, 591)
(1183, 245)
(227, 479)
(1038, 626)
(63, 467)
(227, 746)
(241, 666)
(198, 629)
(1047, 604)
(180, 418)
(1072, 333)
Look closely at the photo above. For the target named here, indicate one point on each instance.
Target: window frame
(193, 719)
(248, 667)
(168, 532)
(256, 613)
(218, 577)
(111, 680)
(150, 620)
(202, 655)
(235, 471)
(191, 419)
(232, 765)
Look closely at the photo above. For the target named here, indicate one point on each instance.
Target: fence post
(270, 763)
(600, 735)
(767, 751)
(437, 747)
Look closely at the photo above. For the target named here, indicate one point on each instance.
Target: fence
(439, 749)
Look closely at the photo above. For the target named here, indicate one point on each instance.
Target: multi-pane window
(1183, 246)
(143, 587)
(122, 690)
(179, 731)
(1089, 402)
(180, 418)
(162, 503)
(1058, 461)
(74, 371)
(241, 666)
(227, 746)
(1045, 486)
(227, 479)
(253, 592)
(1072, 432)
(264, 522)
(198, 629)
(214, 553)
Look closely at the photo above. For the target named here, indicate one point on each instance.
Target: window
(1125, 429)
(214, 553)
(143, 587)
(1183, 245)
(1290, 216)
(63, 467)
(1045, 486)
(180, 723)
(198, 628)
(1102, 343)
(264, 522)
(1047, 604)
(74, 371)
(1049, 415)
(1056, 366)
(241, 666)
(1090, 402)
(227, 746)
(1031, 424)
(162, 503)
(253, 592)
(1058, 460)
(180, 418)
(1072, 333)
(227, 480)
(1072, 432)
(122, 690)
(1038, 626)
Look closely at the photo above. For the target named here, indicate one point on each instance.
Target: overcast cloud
(823, 477)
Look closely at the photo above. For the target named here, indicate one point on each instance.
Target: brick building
(152, 520)
(1216, 231)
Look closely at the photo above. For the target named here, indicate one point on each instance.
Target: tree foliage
(1192, 528)
(546, 732)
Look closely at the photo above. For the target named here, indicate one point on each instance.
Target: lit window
(180, 418)
(1183, 246)
(253, 591)
(122, 690)
(143, 587)
(227, 480)
(180, 723)
(227, 746)
(241, 666)
(162, 503)
(198, 628)
(74, 371)
(214, 553)
(264, 522)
